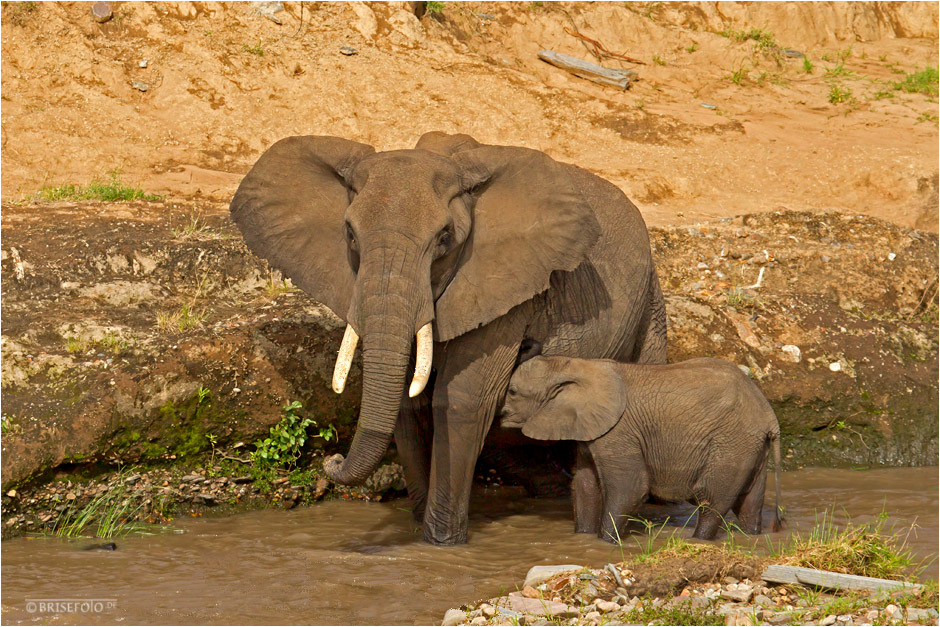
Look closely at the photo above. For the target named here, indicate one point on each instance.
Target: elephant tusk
(425, 349)
(344, 359)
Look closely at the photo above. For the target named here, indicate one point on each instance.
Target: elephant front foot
(445, 532)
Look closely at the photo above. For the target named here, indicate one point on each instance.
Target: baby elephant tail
(778, 513)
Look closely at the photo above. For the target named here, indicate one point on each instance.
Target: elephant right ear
(583, 408)
(290, 208)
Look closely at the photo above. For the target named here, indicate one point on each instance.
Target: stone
(592, 615)
(538, 574)
(140, 85)
(479, 620)
(738, 618)
(844, 619)
(779, 619)
(366, 23)
(530, 592)
(829, 620)
(453, 617)
(536, 607)
(194, 478)
(408, 26)
(792, 352)
(738, 594)
(102, 12)
(348, 50)
(487, 610)
(269, 9)
(893, 612)
(763, 601)
(607, 606)
(835, 366)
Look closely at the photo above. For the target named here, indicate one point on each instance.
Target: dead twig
(599, 50)
(924, 299)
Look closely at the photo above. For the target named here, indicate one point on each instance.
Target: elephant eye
(350, 234)
(446, 237)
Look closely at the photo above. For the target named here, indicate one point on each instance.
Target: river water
(345, 562)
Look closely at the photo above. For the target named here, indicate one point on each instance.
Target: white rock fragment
(835, 366)
(453, 617)
(538, 574)
(892, 256)
(792, 352)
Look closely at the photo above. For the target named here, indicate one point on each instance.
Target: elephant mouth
(424, 348)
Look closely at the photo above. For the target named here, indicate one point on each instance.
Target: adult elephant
(469, 248)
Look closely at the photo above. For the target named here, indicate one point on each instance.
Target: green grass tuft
(112, 190)
(923, 82)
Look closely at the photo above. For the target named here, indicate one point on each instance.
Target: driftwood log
(826, 579)
(589, 71)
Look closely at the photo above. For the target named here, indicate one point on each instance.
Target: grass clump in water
(111, 514)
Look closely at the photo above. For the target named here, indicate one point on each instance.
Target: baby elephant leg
(586, 493)
(749, 504)
(710, 519)
(624, 491)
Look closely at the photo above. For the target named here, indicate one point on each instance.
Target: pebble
(829, 620)
(792, 352)
(142, 64)
(893, 612)
(453, 617)
(140, 85)
(101, 11)
(835, 366)
(738, 594)
(269, 9)
(538, 574)
(607, 606)
(348, 51)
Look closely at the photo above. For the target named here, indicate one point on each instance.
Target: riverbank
(163, 343)
(680, 582)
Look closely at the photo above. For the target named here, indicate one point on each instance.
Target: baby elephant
(699, 430)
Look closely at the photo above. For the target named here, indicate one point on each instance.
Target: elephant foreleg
(470, 385)
(413, 441)
(586, 493)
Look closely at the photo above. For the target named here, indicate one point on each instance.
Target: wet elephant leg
(586, 493)
(749, 504)
(624, 484)
(470, 384)
(413, 441)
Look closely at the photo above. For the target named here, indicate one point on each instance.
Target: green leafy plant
(839, 94)
(286, 439)
(692, 48)
(658, 60)
(807, 65)
(256, 50)
(433, 7)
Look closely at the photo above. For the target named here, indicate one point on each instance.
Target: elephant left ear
(530, 218)
(585, 409)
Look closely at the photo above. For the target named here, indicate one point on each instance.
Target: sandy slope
(224, 83)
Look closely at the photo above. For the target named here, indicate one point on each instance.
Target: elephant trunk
(387, 323)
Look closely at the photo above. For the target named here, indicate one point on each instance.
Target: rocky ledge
(620, 595)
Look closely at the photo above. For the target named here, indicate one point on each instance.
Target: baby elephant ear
(584, 410)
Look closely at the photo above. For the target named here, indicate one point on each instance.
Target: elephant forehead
(403, 171)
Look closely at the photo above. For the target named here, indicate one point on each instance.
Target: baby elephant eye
(513, 391)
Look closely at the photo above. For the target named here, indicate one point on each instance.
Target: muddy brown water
(364, 563)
